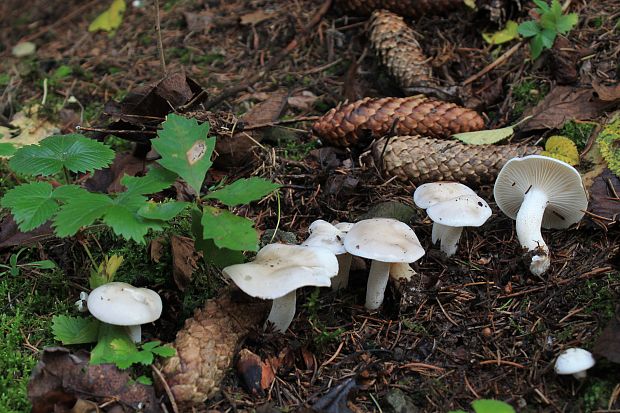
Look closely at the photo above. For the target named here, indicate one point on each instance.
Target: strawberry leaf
(228, 230)
(7, 149)
(529, 28)
(564, 24)
(156, 179)
(243, 191)
(536, 46)
(79, 212)
(220, 257)
(31, 204)
(162, 211)
(75, 330)
(548, 37)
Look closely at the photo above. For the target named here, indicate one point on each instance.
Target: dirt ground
(477, 325)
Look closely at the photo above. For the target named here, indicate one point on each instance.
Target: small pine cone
(409, 8)
(415, 115)
(206, 346)
(397, 47)
(420, 160)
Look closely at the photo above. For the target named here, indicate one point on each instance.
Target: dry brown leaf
(11, 236)
(608, 93)
(256, 17)
(608, 343)
(302, 100)
(109, 179)
(184, 260)
(199, 22)
(29, 128)
(603, 198)
(250, 370)
(308, 358)
(156, 249)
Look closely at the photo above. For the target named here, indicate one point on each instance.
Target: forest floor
(477, 325)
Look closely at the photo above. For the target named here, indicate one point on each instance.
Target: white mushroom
(538, 192)
(122, 304)
(325, 235)
(278, 271)
(384, 241)
(574, 361)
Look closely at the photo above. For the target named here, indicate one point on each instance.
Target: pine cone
(409, 8)
(417, 115)
(206, 346)
(396, 45)
(420, 160)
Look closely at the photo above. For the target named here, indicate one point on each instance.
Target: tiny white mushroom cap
(385, 240)
(561, 183)
(344, 226)
(462, 211)
(574, 361)
(429, 194)
(123, 304)
(279, 269)
(325, 235)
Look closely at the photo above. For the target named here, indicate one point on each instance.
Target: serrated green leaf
(79, 212)
(491, 406)
(528, 29)
(565, 24)
(243, 191)
(155, 180)
(536, 46)
(31, 204)
(75, 330)
(185, 149)
(555, 9)
(485, 137)
(548, 37)
(74, 152)
(162, 211)
(127, 223)
(7, 149)
(542, 5)
(220, 257)
(164, 351)
(508, 33)
(66, 193)
(228, 230)
(110, 19)
(144, 380)
(113, 343)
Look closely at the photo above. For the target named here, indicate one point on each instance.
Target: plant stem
(67, 176)
(160, 44)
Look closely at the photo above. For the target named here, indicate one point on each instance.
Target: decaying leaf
(110, 19)
(604, 202)
(507, 34)
(61, 378)
(608, 343)
(11, 236)
(184, 259)
(156, 248)
(256, 375)
(255, 17)
(199, 22)
(608, 93)
(562, 148)
(302, 100)
(28, 129)
(485, 137)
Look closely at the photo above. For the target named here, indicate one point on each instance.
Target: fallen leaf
(485, 137)
(199, 22)
(156, 248)
(110, 19)
(608, 93)
(603, 198)
(256, 374)
(11, 236)
(308, 358)
(335, 401)
(108, 180)
(302, 100)
(608, 343)
(60, 378)
(562, 104)
(28, 128)
(256, 17)
(184, 260)
(562, 148)
(507, 34)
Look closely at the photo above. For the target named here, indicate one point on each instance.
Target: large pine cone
(396, 45)
(420, 160)
(206, 346)
(410, 8)
(415, 115)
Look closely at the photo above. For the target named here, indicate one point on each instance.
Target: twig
(164, 383)
(274, 60)
(115, 131)
(506, 362)
(499, 61)
(160, 44)
(280, 122)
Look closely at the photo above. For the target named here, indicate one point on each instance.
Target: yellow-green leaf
(508, 33)
(470, 3)
(562, 148)
(485, 137)
(110, 19)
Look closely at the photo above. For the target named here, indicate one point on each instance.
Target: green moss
(609, 145)
(596, 395)
(526, 94)
(295, 150)
(578, 132)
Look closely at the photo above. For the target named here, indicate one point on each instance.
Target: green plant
(488, 406)
(551, 22)
(14, 268)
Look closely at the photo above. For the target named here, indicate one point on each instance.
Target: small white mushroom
(325, 235)
(122, 304)
(384, 241)
(81, 303)
(574, 361)
(538, 191)
(278, 271)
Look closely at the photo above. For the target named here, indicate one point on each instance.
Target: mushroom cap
(560, 181)
(462, 211)
(279, 269)
(383, 239)
(427, 195)
(325, 235)
(573, 360)
(344, 226)
(123, 304)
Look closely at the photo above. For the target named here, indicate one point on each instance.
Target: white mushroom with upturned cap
(278, 271)
(325, 235)
(384, 241)
(122, 304)
(574, 361)
(538, 191)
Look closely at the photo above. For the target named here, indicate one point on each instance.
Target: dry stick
(500, 60)
(167, 389)
(274, 60)
(160, 44)
(280, 122)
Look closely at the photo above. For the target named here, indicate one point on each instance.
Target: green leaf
(555, 9)
(7, 149)
(155, 180)
(75, 330)
(110, 19)
(31, 204)
(62, 72)
(126, 222)
(536, 46)
(485, 137)
(220, 257)
(243, 191)
(74, 152)
(565, 24)
(548, 37)
(491, 406)
(162, 211)
(228, 230)
(144, 380)
(79, 212)
(185, 149)
(44, 265)
(113, 343)
(66, 193)
(542, 5)
(508, 33)
(529, 28)
(164, 351)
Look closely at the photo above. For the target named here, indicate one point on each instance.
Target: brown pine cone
(206, 346)
(420, 160)
(396, 45)
(409, 8)
(374, 118)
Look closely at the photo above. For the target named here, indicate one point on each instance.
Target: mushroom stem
(341, 280)
(450, 239)
(529, 222)
(580, 374)
(283, 311)
(377, 281)
(135, 333)
(437, 232)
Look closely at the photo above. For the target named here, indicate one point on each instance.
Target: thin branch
(160, 45)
